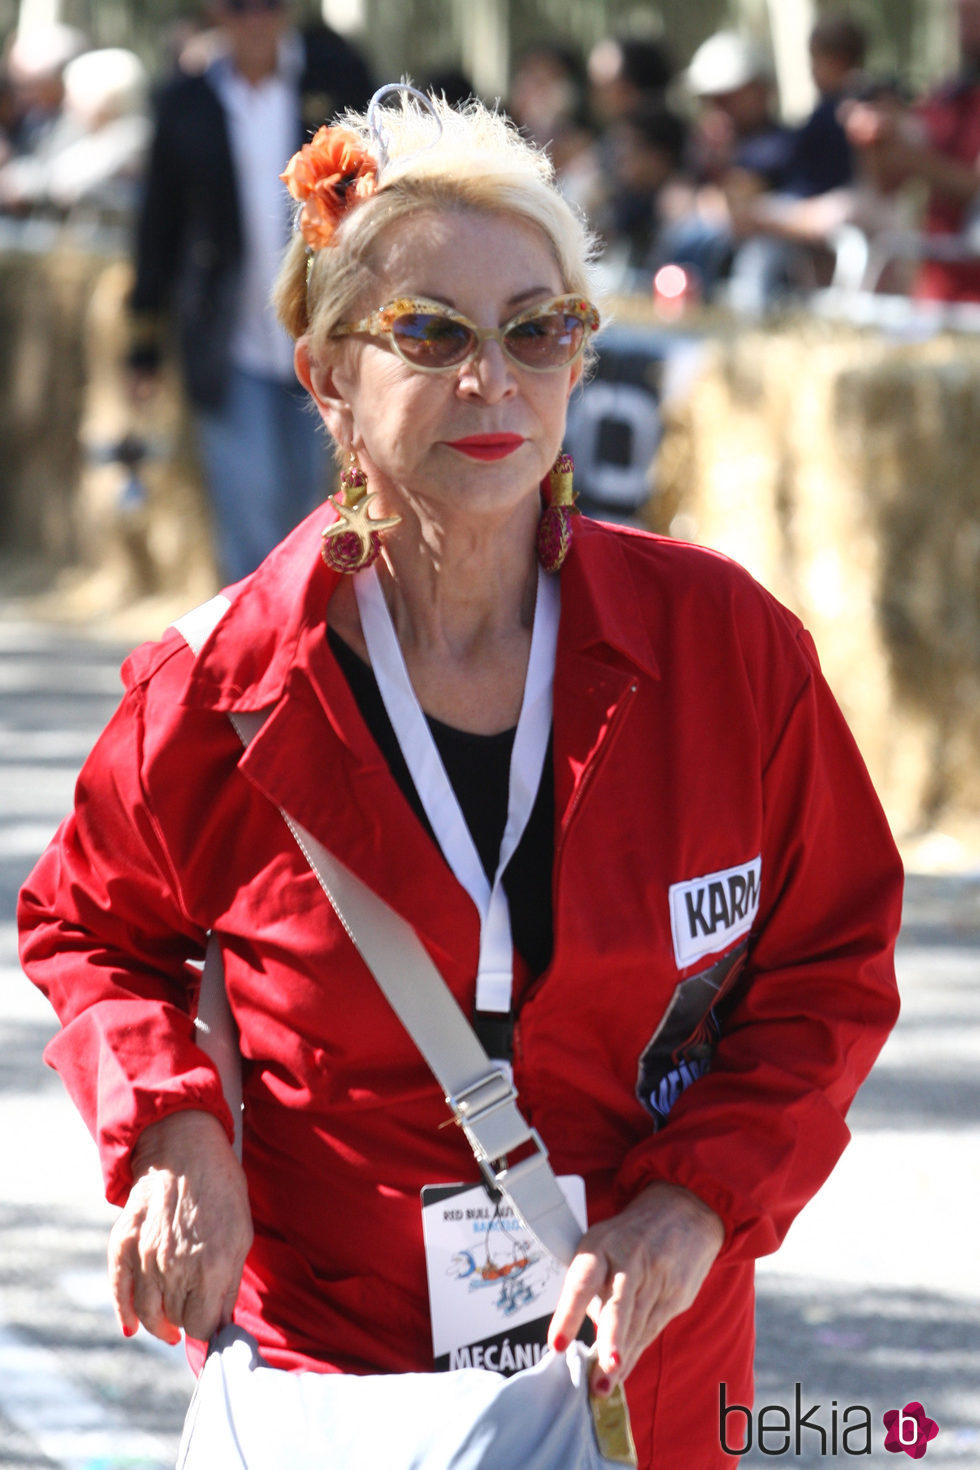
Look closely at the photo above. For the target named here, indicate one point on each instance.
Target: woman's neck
(461, 597)
(453, 593)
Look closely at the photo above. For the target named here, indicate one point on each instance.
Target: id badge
(492, 1286)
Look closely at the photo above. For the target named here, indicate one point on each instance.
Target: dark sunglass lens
(429, 339)
(547, 341)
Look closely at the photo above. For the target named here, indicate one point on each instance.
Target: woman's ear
(319, 380)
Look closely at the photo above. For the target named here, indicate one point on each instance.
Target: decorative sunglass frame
(380, 324)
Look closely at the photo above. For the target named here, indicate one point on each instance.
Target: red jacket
(714, 824)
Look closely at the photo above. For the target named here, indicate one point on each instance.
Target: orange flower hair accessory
(328, 175)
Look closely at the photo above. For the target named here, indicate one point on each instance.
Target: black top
(478, 767)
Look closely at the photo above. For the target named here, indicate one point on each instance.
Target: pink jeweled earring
(353, 540)
(555, 526)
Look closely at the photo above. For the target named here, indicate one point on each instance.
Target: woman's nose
(488, 374)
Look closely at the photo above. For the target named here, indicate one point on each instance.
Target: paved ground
(874, 1299)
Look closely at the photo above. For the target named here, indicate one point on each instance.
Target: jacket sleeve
(105, 934)
(756, 1136)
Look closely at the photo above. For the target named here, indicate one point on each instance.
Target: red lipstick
(487, 446)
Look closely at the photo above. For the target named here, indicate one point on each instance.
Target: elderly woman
(670, 905)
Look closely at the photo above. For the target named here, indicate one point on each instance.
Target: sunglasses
(435, 339)
(245, 7)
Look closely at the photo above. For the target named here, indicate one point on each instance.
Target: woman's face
(408, 428)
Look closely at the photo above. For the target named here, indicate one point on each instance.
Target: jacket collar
(246, 662)
(601, 610)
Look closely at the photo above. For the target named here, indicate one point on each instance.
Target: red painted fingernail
(614, 1359)
(561, 1344)
(128, 1331)
(603, 1386)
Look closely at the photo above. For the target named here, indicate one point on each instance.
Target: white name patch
(708, 914)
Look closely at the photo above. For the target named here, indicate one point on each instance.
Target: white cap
(725, 62)
(111, 80)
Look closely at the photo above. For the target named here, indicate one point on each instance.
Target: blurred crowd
(697, 188)
(74, 125)
(688, 167)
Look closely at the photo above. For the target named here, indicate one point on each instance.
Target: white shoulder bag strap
(482, 1099)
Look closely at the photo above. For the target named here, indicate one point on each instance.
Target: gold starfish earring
(353, 540)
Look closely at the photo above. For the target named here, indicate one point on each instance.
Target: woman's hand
(177, 1250)
(635, 1272)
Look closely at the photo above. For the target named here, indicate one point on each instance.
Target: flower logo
(909, 1429)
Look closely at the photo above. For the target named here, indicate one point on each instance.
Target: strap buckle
(501, 1181)
(488, 1093)
(487, 1112)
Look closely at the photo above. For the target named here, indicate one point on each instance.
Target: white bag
(246, 1415)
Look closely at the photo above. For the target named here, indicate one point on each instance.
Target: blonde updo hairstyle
(480, 162)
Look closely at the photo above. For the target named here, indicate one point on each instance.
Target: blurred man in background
(787, 233)
(738, 150)
(821, 157)
(214, 222)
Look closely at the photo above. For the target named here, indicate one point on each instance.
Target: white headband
(379, 139)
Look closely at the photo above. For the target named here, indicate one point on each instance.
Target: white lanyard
(495, 977)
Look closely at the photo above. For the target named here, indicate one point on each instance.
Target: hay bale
(63, 499)
(42, 300)
(144, 532)
(840, 469)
